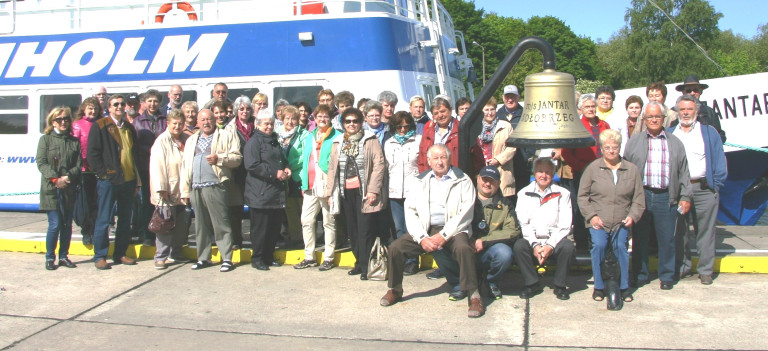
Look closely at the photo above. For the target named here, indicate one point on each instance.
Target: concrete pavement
(140, 308)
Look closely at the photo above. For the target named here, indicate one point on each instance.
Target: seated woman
(611, 199)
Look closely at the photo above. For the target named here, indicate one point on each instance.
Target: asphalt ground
(141, 308)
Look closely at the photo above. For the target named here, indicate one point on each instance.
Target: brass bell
(550, 118)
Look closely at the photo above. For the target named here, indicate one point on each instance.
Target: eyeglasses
(62, 119)
(584, 107)
(692, 90)
(351, 121)
(220, 92)
(605, 98)
(117, 104)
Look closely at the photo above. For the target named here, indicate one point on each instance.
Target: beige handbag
(377, 264)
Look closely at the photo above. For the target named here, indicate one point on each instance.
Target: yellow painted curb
(344, 258)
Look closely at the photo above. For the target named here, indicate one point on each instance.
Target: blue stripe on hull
(252, 49)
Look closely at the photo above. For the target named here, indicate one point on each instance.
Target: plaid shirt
(657, 165)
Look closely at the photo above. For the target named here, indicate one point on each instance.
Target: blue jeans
(59, 227)
(600, 239)
(663, 217)
(108, 194)
(495, 260)
(398, 216)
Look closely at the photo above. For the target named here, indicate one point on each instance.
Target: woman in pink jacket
(87, 114)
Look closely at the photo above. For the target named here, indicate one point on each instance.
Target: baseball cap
(511, 89)
(490, 172)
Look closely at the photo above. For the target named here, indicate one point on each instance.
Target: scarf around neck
(285, 137)
(402, 138)
(486, 135)
(350, 146)
(245, 129)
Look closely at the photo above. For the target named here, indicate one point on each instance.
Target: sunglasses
(62, 119)
(351, 121)
(692, 90)
(403, 127)
(118, 104)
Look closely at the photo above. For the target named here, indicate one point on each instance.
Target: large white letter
(102, 50)
(43, 62)
(125, 60)
(176, 48)
(5, 54)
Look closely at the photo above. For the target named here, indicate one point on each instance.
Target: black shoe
(436, 274)
(411, 268)
(50, 265)
(531, 291)
(65, 262)
(666, 285)
(259, 265)
(201, 265)
(636, 283)
(495, 291)
(363, 276)
(562, 293)
(457, 295)
(276, 264)
(355, 271)
(87, 239)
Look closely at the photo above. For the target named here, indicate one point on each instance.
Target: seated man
(494, 227)
(544, 212)
(438, 215)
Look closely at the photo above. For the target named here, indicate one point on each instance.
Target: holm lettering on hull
(91, 56)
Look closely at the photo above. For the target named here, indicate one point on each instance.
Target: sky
(599, 19)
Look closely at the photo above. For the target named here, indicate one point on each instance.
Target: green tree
(658, 51)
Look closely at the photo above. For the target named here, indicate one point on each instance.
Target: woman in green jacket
(58, 159)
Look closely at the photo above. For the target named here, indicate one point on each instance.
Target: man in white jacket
(544, 212)
(438, 215)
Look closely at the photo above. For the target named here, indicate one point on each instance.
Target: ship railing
(24, 17)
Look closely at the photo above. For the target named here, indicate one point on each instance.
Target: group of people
(372, 172)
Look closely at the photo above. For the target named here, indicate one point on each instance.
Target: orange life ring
(184, 6)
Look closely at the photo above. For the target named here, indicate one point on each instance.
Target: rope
(19, 194)
(760, 149)
(687, 35)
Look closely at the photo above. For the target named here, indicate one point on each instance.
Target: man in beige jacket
(438, 215)
(209, 157)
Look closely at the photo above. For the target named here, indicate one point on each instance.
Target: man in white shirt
(708, 170)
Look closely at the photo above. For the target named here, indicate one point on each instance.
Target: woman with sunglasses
(356, 176)
(402, 153)
(59, 161)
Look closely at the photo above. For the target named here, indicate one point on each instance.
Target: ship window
(235, 93)
(298, 94)
(48, 102)
(186, 95)
(13, 114)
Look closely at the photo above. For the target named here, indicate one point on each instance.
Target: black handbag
(163, 219)
(81, 211)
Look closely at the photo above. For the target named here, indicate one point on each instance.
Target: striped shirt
(657, 165)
